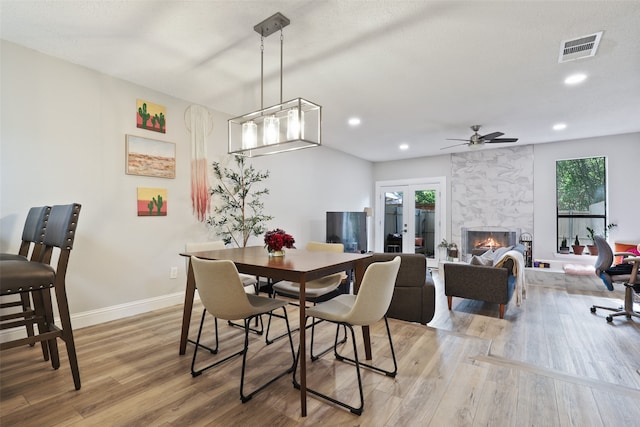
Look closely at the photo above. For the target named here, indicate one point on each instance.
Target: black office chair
(625, 273)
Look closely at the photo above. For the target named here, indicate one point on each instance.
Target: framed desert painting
(150, 157)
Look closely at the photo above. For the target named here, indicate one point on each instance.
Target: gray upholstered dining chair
(625, 274)
(316, 291)
(37, 278)
(251, 283)
(366, 308)
(221, 293)
(30, 248)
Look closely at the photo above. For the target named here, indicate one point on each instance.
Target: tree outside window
(581, 199)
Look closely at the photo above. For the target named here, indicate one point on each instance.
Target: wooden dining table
(297, 265)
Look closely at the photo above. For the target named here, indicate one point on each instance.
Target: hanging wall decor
(199, 122)
(151, 116)
(150, 157)
(152, 201)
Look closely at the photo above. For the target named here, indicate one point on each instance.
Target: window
(581, 200)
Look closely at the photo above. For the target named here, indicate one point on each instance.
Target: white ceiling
(416, 72)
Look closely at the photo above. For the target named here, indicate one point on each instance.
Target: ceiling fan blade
(457, 139)
(491, 136)
(456, 145)
(502, 140)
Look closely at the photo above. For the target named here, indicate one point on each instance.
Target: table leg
(189, 294)
(366, 335)
(303, 348)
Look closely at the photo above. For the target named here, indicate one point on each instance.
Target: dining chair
(625, 274)
(30, 248)
(221, 293)
(367, 307)
(251, 283)
(37, 278)
(316, 291)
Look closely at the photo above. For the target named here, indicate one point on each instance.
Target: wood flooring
(549, 362)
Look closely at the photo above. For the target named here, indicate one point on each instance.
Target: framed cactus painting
(152, 201)
(150, 157)
(151, 116)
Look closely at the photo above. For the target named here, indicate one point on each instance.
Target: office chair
(221, 293)
(366, 308)
(617, 274)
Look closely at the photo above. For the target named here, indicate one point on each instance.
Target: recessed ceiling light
(559, 126)
(354, 121)
(574, 79)
(404, 146)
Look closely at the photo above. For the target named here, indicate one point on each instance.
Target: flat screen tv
(348, 228)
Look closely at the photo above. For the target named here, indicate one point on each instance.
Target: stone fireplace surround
(492, 187)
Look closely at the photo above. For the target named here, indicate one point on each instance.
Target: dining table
(296, 265)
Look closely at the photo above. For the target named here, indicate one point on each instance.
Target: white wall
(63, 141)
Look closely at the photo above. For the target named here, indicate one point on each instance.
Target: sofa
(493, 282)
(414, 295)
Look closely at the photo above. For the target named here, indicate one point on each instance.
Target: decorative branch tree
(239, 213)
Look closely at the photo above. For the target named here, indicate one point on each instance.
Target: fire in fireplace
(476, 241)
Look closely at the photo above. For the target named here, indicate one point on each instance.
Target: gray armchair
(494, 284)
(414, 295)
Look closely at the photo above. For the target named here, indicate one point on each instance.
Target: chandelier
(287, 126)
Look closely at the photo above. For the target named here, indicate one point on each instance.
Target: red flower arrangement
(277, 239)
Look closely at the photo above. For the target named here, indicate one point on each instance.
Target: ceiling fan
(477, 139)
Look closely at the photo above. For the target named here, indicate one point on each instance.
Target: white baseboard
(107, 314)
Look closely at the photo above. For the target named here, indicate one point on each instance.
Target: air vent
(581, 47)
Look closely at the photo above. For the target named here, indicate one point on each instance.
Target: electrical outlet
(173, 274)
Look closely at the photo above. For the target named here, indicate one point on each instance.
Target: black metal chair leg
(194, 372)
(352, 409)
(372, 367)
(247, 397)
(254, 330)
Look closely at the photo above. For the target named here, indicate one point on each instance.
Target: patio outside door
(409, 219)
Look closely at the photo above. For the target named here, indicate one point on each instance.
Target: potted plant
(276, 240)
(442, 249)
(564, 247)
(593, 249)
(239, 213)
(577, 247)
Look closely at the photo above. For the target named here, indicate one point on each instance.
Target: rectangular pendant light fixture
(287, 126)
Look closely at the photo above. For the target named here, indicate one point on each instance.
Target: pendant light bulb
(249, 135)
(271, 134)
(295, 124)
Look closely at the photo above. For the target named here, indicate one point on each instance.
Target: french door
(409, 217)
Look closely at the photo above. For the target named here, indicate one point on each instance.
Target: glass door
(409, 219)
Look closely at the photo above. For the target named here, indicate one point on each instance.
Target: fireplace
(478, 240)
